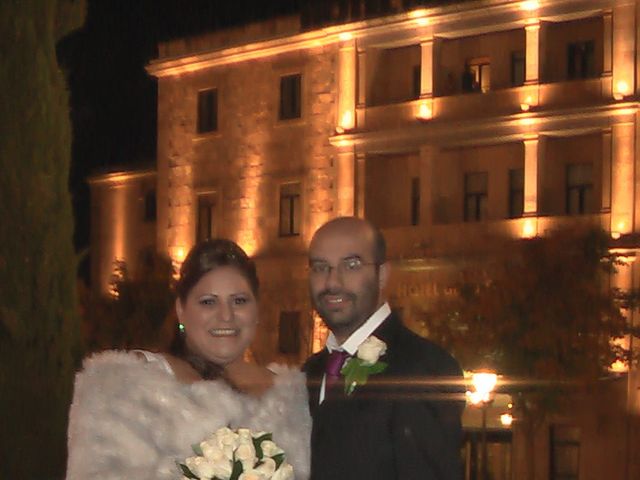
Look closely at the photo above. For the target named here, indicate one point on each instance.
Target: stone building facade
(448, 127)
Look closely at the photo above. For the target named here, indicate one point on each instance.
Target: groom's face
(343, 278)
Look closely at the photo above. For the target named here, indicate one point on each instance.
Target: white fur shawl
(131, 419)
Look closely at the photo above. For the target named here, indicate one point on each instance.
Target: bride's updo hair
(203, 258)
(209, 255)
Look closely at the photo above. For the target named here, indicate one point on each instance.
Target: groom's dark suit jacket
(391, 430)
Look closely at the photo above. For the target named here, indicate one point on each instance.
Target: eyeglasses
(345, 266)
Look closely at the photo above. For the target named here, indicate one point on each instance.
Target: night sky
(113, 100)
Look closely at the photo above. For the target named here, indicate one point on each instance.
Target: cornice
(448, 21)
(490, 130)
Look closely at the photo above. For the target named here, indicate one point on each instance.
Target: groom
(401, 424)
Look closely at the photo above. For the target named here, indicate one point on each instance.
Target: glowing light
(424, 111)
(484, 383)
(506, 419)
(527, 121)
(622, 89)
(474, 398)
(422, 22)
(525, 107)
(529, 228)
(530, 5)
(615, 235)
(420, 12)
(346, 122)
(345, 36)
(619, 367)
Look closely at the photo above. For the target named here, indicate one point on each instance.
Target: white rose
(285, 472)
(270, 449)
(246, 453)
(201, 467)
(267, 467)
(251, 475)
(212, 451)
(227, 437)
(244, 436)
(371, 350)
(222, 469)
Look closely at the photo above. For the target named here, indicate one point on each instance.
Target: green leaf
(197, 450)
(257, 444)
(349, 366)
(278, 459)
(378, 367)
(237, 470)
(186, 472)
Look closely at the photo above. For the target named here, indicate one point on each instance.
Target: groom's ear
(383, 276)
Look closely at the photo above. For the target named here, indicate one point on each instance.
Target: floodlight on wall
(530, 5)
(346, 122)
(425, 112)
(418, 13)
(529, 228)
(621, 90)
(525, 106)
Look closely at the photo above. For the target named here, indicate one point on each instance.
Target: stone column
(345, 182)
(532, 160)
(606, 171)
(623, 50)
(426, 69)
(622, 178)
(360, 179)
(347, 85)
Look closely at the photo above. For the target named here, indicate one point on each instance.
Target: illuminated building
(446, 126)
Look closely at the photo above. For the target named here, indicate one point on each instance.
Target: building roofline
(425, 18)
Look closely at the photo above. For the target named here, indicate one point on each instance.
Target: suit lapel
(315, 370)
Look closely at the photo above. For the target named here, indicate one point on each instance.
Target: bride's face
(219, 315)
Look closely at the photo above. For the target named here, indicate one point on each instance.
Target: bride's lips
(224, 332)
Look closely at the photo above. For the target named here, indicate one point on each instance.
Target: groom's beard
(351, 313)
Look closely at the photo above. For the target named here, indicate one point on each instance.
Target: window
(518, 67)
(579, 189)
(290, 87)
(475, 196)
(477, 76)
(516, 192)
(290, 209)
(417, 78)
(289, 333)
(565, 452)
(206, 216)
(207, 110)
(415, 201)
(581, 60)
(150, 206)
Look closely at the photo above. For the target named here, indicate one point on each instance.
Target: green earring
(181, 327)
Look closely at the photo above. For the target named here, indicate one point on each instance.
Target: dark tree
(38, 318)
(543, 313)
(138, 314)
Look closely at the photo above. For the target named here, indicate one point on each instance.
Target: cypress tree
(38, 313)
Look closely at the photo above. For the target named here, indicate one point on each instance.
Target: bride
(135, 413)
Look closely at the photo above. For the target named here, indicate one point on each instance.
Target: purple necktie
(332, 371)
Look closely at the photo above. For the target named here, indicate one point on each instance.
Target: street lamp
(483, 383)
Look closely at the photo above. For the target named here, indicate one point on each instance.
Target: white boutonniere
(356, 370)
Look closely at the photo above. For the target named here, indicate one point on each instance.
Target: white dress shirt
(352, 343)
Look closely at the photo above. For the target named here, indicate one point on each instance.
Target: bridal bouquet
(237, 455)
